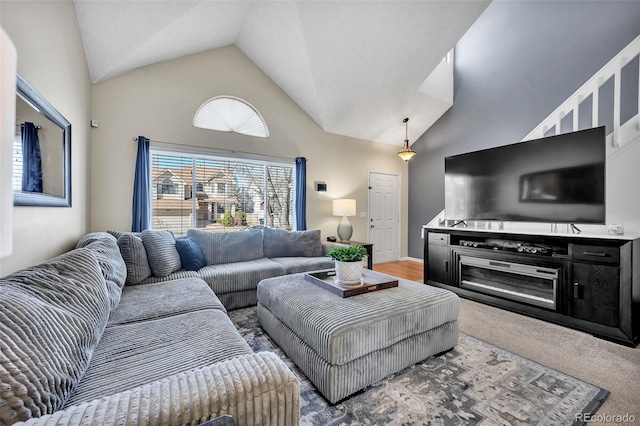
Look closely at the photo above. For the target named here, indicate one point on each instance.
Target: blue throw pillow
(191, 255)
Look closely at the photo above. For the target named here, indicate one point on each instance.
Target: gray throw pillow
(135, 257)
(161, 250)
(282, 243)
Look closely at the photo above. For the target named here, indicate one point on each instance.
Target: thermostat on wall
(321, 186)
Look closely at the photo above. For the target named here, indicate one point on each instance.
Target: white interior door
(384, 216)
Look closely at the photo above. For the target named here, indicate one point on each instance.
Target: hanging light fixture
(406, 154)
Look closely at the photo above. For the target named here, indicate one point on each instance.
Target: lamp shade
(8, 62)
(344, 207)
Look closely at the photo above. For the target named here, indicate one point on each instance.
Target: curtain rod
(37, 127)
(223, 150)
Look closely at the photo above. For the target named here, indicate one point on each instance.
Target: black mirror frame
(31, 96)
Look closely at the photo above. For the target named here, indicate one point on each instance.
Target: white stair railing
(592, 88)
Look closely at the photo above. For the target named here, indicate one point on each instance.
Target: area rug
(474, 383)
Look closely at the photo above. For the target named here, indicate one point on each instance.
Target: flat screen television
(557, 179)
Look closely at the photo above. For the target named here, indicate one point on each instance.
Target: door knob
(371, 226)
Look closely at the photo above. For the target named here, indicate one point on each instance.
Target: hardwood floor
(407, 269)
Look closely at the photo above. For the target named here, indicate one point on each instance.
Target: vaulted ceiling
(354, 66)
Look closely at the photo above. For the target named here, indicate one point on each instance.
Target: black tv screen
(558, 179)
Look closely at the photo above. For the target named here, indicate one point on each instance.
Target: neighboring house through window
(228, 189)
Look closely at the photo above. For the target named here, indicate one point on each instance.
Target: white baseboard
(413, 259)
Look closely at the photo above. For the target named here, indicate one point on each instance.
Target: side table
(368, 247)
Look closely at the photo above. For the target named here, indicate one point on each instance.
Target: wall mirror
(41, 151)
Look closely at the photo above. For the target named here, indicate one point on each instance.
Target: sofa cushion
(105, 247)
(135, 258)
(237, 276)
(229, 247)
(118, 234)
(161, 250)
(135, 354)
(295, 265)
(191, 255)
(172, 276)
(281, 243)
(160, 300)
(40, 366)
(113, 267)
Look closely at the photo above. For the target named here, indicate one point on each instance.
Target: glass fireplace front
(534, 285)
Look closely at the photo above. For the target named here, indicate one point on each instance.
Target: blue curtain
(141, 187)
(301, 193)
(31, 164)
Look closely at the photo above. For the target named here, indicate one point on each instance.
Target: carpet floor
(475, 383)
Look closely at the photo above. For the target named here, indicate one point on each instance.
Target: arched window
(231, 114)
(168, 187)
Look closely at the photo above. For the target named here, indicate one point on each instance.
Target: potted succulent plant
(348, 263)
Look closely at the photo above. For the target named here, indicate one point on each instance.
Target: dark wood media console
(589, 283)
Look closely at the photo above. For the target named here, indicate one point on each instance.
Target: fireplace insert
(530, 284)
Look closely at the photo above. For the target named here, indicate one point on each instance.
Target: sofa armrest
(327, 246)
(256, 389)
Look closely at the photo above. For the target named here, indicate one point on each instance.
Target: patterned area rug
(474, 383)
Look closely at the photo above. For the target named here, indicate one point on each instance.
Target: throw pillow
(282, 243)
(191, 255)
(135, 257)
(162, 254)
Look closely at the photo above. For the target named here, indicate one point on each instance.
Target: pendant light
(406, 154)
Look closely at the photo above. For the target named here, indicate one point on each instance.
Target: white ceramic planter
(348, 272)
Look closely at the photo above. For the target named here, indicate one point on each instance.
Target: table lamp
(344, 207)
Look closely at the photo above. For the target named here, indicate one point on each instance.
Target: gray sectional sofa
(92, 337)
(233, 262)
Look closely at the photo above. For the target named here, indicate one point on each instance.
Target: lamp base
(345, 230)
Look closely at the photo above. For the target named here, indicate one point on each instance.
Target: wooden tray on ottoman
(371, 281)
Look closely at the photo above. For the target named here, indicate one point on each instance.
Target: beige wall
(159, 102)
(51, 59)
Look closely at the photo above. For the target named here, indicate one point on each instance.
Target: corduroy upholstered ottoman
(345, 345)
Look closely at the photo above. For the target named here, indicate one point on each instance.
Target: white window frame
(187, 152)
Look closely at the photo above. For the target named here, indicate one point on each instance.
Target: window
(248, 192)
(231, 114)
(17, 161)
(167, 188)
